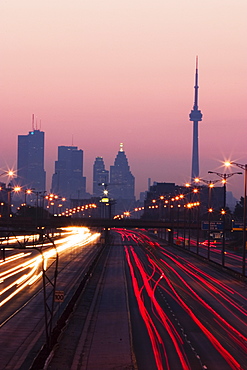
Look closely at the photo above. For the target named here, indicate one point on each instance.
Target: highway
(181, 313)
(22, 303)
(194, 315)
(147, 306)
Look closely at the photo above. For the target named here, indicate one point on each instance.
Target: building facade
(68, 180)
(100, 176)
(122, 182)
(30, 160)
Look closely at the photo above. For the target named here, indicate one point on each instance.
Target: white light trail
(29, 271)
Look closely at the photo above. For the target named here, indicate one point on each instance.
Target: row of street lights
(9, 190)
(50, 198)
(210, 183)
(53, 202)
(224, 177)
(244, 168)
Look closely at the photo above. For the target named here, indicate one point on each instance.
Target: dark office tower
(68, 180)
(122, 182)
(100, 175)
(30, 161)
(195, 117)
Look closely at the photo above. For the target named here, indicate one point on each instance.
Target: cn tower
(195, 117)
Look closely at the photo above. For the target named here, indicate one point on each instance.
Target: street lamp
(10, 189)
(9, 173)
(190, 207)
(243, 167)
(178, 198)
(210, 184)
(197, 192)
(224, 176)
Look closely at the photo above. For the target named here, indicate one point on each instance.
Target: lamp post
(196, 191)
(243, 167)
(184, 222)
(10, 174)
(171, 234)
(210, 184)
(178, 199)
(224, 176)
(188, 206)
(161, 203)
(27, 192)
(11, 189)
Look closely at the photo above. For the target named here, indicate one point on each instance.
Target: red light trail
(192, 289)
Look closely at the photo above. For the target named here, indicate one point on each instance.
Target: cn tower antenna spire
(195, 117)
(196, 86)
(32, 122)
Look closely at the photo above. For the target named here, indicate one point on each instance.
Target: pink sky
(109, 71)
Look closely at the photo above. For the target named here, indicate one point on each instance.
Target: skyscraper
(122, 182)
(195, 117)
(68, 180)
(100, 175)
(30, 161)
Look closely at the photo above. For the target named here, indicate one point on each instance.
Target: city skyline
(97, 74)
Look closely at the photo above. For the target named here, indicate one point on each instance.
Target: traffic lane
(197, 322)
(225, 357)
(210, 277)
(221, 309)
(19, 334)
(11, 268)
(24, 334)
(14, 289)
(110, 322)
(163, 337)
(99, 338)
(228, 355)
(142, 345)
(233, 288)
(19, 274)
(69, 260)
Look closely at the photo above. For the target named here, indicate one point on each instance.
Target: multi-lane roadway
(194, 316)
(181, 313)
(22, 324)
(153, 307)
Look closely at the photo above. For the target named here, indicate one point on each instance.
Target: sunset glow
(90, 70)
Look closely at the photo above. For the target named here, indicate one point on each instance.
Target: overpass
(31, 225)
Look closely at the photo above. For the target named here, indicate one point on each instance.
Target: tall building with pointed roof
(195, 116)
(122, 182)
